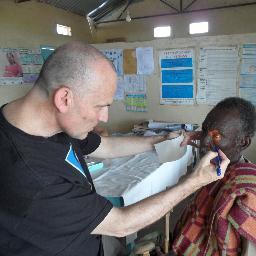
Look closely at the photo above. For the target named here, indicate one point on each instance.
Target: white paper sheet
(119, 95)
(145, 60)
(217, 77)
(248, 66)
(134, 83)
(170, 150)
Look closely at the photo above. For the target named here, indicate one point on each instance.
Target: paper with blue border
(177, 76)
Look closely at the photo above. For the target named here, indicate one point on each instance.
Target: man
(223, 214)
(48, 204)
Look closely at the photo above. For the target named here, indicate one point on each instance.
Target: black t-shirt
(48, 204)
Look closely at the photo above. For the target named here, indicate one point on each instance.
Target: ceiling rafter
(189, 5)
(183, 12)
(127, 5)
(172, 7)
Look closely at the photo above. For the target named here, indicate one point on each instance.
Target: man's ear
(63, 99)
(245, 142)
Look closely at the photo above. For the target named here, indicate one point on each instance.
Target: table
(127, 180)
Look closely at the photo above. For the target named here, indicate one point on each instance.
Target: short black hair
(245, 109)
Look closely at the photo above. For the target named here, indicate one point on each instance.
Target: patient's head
(234, 119)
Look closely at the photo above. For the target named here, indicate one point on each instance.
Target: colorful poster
(135, 93)
(32, 62)
(136, 102)
(11, 72)
(177, 76)
(46, 51)
(19, 66)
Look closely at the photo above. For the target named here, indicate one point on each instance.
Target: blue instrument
(217, 160)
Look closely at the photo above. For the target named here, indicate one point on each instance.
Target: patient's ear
(245, 142)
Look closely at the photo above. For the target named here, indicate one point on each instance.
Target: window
(63, 30)
(198, 28)
(162, 31)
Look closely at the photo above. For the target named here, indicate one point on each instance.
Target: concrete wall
(30, 24)
(121, 120)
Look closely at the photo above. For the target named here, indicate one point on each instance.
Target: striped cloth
(220, 214)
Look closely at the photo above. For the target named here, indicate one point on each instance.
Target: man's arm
(123, 221)
(112, 147)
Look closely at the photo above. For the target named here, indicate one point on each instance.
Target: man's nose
(103, 117)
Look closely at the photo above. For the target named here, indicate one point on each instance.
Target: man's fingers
(195, 135)
(189, 137)
(222, 155)
(173, 135)
(224, 160)
(210, 155)
(191, 143)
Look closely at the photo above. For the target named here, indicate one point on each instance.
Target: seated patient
(223, 214)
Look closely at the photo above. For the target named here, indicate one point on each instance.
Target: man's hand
(190, 137)
(205, 172)
(173, 135)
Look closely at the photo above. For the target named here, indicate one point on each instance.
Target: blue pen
(217, 160)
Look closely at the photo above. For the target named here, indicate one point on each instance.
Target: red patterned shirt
(220, 215)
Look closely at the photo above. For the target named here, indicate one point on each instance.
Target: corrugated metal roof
(80, 7)
(103, 12)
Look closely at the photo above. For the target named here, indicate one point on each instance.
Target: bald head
(74, 65)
